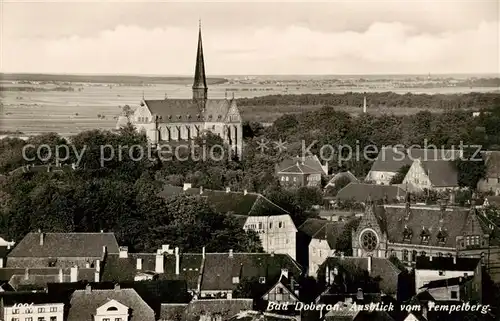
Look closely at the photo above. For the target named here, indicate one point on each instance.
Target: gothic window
(369, 241)
(405, 255)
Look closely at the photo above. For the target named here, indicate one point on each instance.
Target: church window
(369, 241)
(405, 255)
(414, 255)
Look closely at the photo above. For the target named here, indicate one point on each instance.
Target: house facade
(407, 231)
(301, 171)
(491, 182)
(30, 306)
(253, 211)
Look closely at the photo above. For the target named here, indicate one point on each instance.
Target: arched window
(112, 309)
(369, 240)
(405, 255)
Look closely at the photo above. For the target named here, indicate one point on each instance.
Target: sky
(251, 38)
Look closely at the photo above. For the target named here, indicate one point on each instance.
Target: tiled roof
(492, 161)
(381, 267)
(225, 308)
(189, 111)
(447, 282)
(340, 175)
(41, 168)
(83, 304)
(361, 192)
(220, 268)
(321, 229)
(125, 269)
(172, 311)
(299, 165)
(446, 263)
(395, 219)
(441, 173)
(231, 202)
(391, 160)
(65, 245)
(42, 276)
(11, 298)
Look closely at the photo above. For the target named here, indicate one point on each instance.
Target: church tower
(200, 88)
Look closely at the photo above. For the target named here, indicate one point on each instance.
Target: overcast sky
(336, 37)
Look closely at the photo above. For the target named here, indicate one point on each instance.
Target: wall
(280, 294)
(319, 251)
(417, 176)
(491, 184)
(35, 314)
(281, 240)
(294, 179)
(444, 293)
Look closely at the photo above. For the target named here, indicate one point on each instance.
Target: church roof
(200, 80)
(188, 110)
(360, 192)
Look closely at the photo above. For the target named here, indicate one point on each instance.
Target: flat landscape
(38, 105)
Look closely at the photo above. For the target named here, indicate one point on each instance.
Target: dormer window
(209, 116)
(424, 236)
(179, 116)
(441, 237)
(407, 234)
(169, 116)
(236, 280)
(219, 117)
(198, 116)
(189, 116)
(262, 280)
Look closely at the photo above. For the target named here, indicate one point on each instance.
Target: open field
(97, 106)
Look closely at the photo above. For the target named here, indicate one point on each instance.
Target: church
(169, 121)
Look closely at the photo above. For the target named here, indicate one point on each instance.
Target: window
(454, 294)
(236, 280)
(105, 319)
(476, 240)
(118, 319)
(280, 290)
(260, 225)
(405, 255)
(414, 255)
(440, 254)
(441, 273)
(15, 319)
(295, 179)
(422, 253)
(407, 234)
(41, 310)
(282, 178)
(369, 241)
(280, 224)
(15, 311)
(53, 309)
(29, 319)
(262, 280)
(53, 318)
(270, 225)
(41, 319)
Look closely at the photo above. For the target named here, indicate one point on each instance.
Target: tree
(471, 168)
(400, 175)
(339, 184)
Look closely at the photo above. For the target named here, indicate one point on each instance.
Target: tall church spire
(200, 88)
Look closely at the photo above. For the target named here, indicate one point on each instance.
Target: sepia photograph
(249, 160)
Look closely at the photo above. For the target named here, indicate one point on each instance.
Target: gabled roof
(381, 267)
(11, 298)
(41, 276)
(395, 219)
(220, 268)
(441, 173)
(188, 110)
(301, 165)
(83, 304)
(340, 175)
(65, 245)
(321, 229)
(239, 203)
(360, 192)
(447, 282)
(287, 284)
(446, 263)
(391, 159)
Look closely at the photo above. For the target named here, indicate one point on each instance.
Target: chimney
(97, 277)
(203, 252)
(1, 262)
(61, 276)
(231, 253)
(454, 259)
(245, 192)
(165, 248)
(159, 266)
(186, 186)
(139, 264)
(26, 274)
(369, 267)
(228, 189)
(117, 286)
(74, 274)
(98, 265)
(430, 257)
(88, 288)
(42, 236)
(201, 190)
(177, 261)
(123, 252)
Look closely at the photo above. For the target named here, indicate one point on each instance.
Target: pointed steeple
(200, 88)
